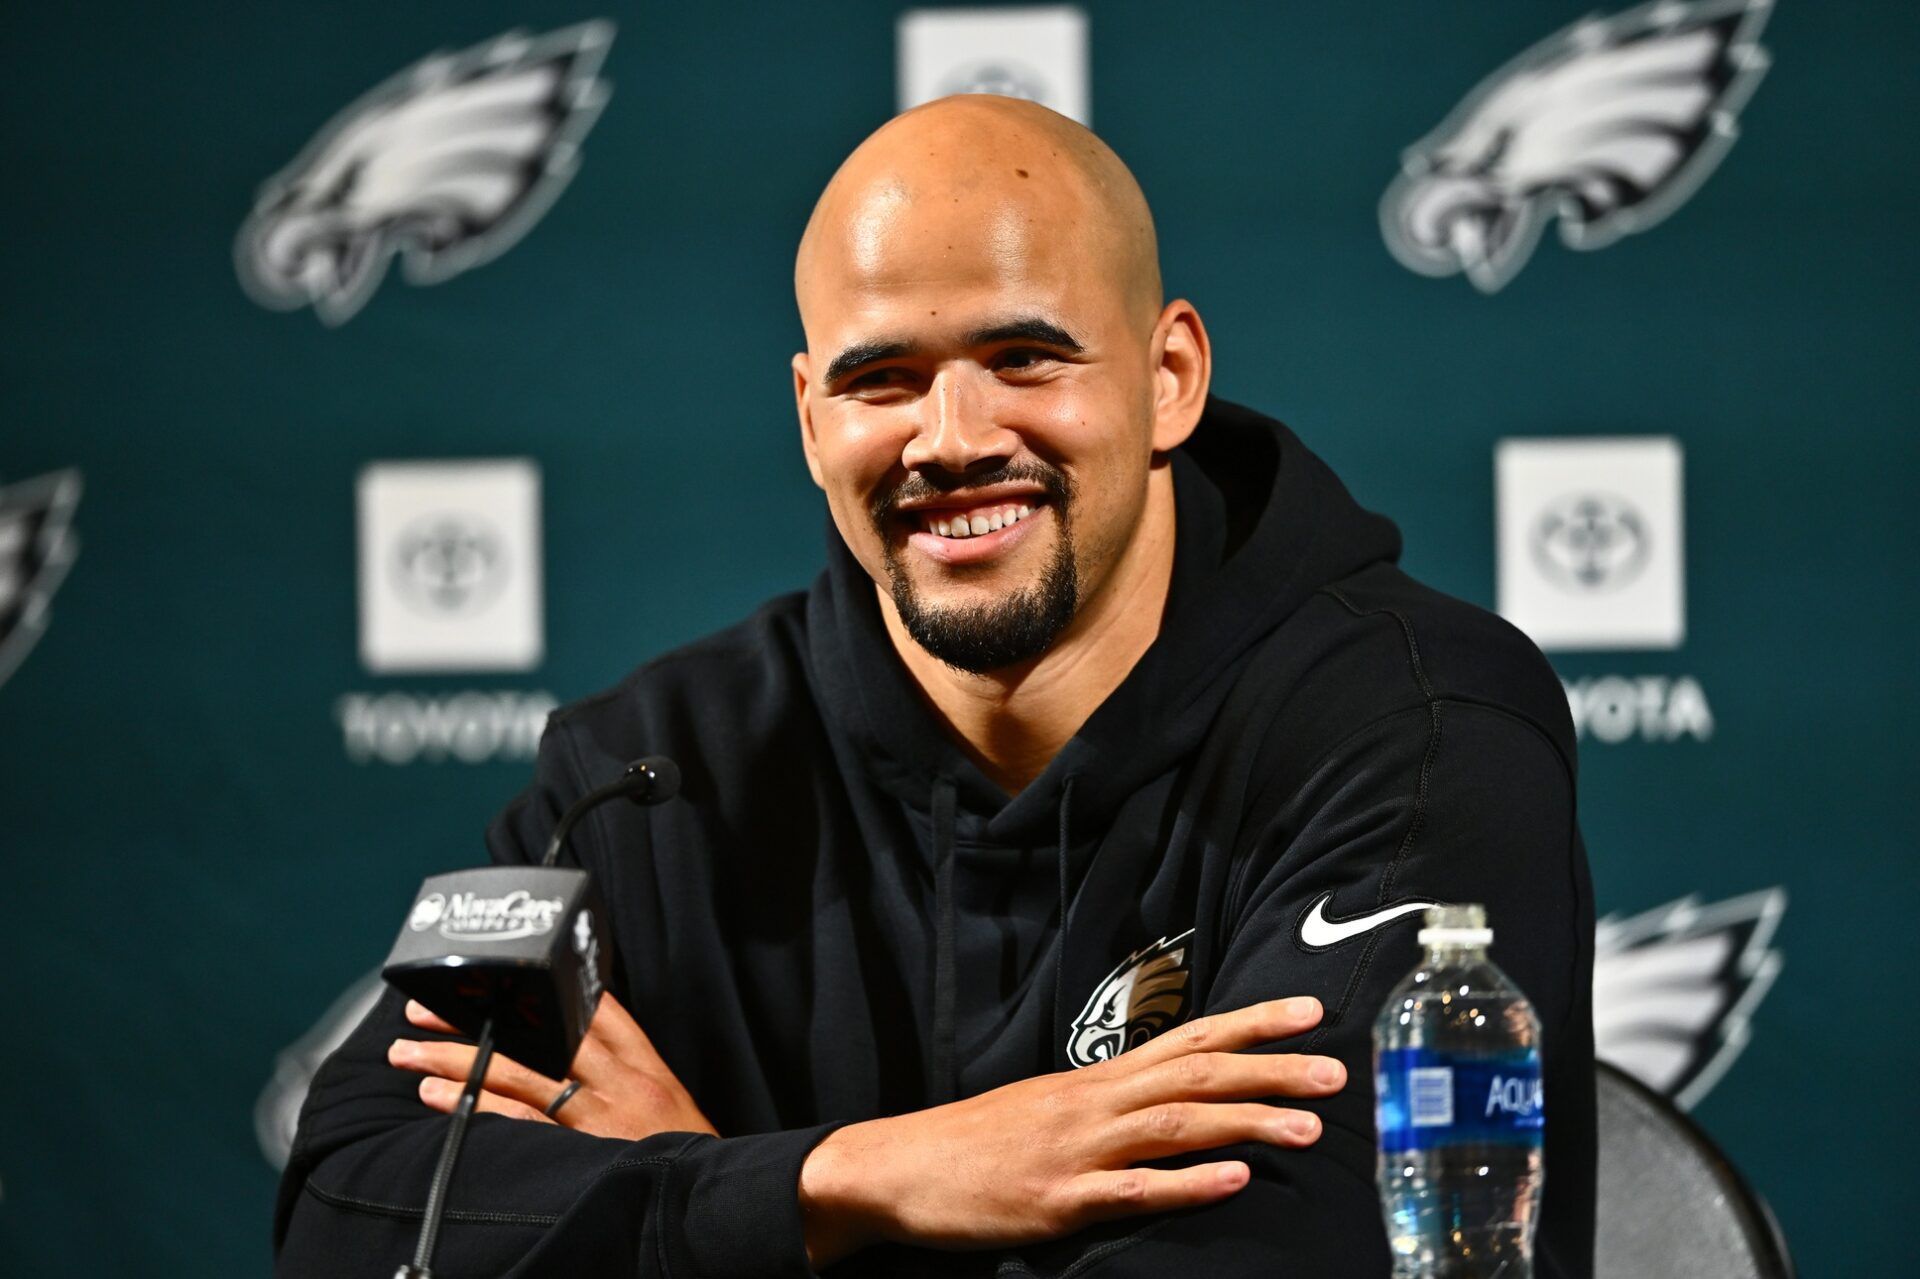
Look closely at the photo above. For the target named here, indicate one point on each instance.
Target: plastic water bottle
(1456, 1055)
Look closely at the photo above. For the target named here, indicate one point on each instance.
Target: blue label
(1426, 1099)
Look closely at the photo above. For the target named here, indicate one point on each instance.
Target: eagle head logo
(1609, 124)
(1142, 997)
(1674, 988)
(37, 547)
(447, 164)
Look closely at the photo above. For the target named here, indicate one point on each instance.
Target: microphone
(511, 955)
(520, 944)
(653, 780)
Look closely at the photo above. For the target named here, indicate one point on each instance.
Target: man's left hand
(626, 1089)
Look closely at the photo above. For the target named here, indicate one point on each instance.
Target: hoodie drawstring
(945, 1084)
(1060, 942)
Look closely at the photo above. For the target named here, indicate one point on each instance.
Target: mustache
(920, 486)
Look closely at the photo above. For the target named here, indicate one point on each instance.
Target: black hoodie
(841, 917)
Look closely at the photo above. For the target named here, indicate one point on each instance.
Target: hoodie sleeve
(1449, 801)
(527, 1198)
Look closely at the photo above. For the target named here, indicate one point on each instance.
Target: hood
(1261, 523)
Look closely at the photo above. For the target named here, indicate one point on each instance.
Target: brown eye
(1024, 358)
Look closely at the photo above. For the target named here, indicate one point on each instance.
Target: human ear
(803, 405)
(1183, 370)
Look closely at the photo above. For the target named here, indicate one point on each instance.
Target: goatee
(988, 637)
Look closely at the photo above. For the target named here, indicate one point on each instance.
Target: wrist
(837, 1205)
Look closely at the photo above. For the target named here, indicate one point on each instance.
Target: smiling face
(981, 396)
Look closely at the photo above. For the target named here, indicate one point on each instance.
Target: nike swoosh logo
(1317, 932)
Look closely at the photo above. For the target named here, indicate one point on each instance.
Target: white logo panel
(1590, 543)
(1037, 53)
(450, 573)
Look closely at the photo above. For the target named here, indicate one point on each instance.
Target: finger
(452, 1061)
(1230, 1076)
(425, 1018)
(1224, 1032)
(442, 1094)
(1130, 1191)
(1183, 1126)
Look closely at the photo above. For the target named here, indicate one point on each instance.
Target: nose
(956, 430)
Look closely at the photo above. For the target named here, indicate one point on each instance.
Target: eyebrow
(1023, 329)
(866, 353)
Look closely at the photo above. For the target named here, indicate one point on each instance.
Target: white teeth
(976, 525)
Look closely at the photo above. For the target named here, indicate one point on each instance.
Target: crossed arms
(1256, 1113)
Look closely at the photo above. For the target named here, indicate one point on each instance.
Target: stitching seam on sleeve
(1014, 1266)
(401, 1211)
(1414, 827)
(376, 1208)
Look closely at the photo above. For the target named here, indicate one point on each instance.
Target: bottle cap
(1464, 924)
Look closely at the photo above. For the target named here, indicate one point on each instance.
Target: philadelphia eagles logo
(446, 164)
(1142, 997)
(37, 547)
(276, 1112)
(1609, 124)
(1674, 988)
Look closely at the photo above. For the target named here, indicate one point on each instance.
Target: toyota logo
(449, 564)
(1590, 542)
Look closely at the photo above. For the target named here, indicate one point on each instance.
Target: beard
(978, 638)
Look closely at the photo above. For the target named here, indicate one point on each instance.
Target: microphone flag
(520, 944)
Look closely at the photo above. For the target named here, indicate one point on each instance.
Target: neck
(1013, 722)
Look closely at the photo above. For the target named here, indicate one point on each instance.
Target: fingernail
(1304, 1006)
(1301, 1124)
(1325, 1070)
(434, 1089)
(400, 1051)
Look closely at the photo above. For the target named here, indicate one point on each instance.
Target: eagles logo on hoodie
(447, 164)
(1142, 997)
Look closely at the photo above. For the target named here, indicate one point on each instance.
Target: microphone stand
(645, 781)
(422, 1265)
(641, 780)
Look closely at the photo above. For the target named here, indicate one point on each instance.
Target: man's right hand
(1041, 1158)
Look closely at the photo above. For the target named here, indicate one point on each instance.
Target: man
(1036, 875)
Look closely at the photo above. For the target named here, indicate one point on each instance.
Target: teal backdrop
(196, 864)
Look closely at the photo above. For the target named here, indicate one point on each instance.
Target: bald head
(991, 384)
(976, 183)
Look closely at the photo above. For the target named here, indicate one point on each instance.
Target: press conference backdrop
(335, 451)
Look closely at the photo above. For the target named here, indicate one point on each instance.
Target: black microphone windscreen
(663, 775)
